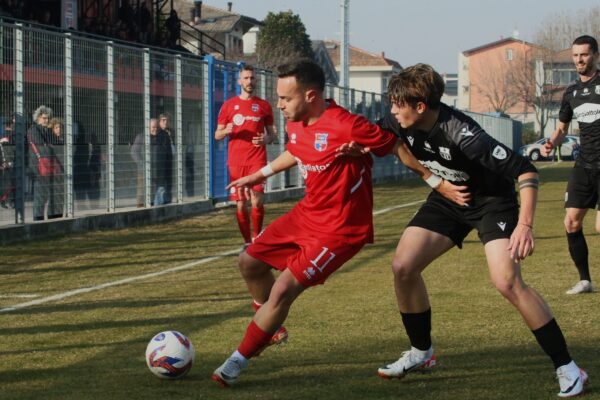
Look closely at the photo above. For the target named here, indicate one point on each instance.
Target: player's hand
(259, 140)
(547, 148)
(228, 129)
(352, 149)
(456, 194)
(244, 182)
(521, 242)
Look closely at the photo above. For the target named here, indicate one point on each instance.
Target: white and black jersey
(582, 101)
(460, 151)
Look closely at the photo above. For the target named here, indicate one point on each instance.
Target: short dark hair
(419, 83)
(308, 74)
(589, 40)
(247, 67)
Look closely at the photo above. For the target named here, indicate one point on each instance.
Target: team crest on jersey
(597, 89)
(254, 107)
(445, 153)
(321, 141)
(411, 140)
(499, 153)
(236, 107)
(293, 138)
(586, 92)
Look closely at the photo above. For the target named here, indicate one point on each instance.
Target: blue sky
(417, 31)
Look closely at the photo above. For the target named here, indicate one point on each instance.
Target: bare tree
(532, 77)
(557, 31)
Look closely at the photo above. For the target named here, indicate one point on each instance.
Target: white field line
(75, 292)
(19, 296)
(124, 281)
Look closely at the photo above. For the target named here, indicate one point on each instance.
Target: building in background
(368, 71)
(498, 77)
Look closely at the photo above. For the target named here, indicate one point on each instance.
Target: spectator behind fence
(173, 26)
(161, 158)
(87, 167)
(165, 125)
(7, 177)
(46, 169)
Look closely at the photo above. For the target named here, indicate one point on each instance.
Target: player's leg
(265, 323)
(506, 276)
(578, 249)
(239, 196)
(417, 248)
(258, 211)
(581, 194)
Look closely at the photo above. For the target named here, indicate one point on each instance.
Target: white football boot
(228, 372)
(572, 380)
(410, 361)
(583, 286)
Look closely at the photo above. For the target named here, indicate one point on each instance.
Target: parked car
(569, 149)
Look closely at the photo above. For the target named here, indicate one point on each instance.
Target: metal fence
(105, 95)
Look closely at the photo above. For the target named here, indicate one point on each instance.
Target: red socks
(258, 214)
(254, 340)
(244, 224)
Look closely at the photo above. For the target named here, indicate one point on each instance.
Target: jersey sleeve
(565, 114)
(480, 147)
(381, 142)
(224, 118)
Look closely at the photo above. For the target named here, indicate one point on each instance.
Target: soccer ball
(170, 355)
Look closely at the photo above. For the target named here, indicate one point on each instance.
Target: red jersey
(339, 194)
(249, 117)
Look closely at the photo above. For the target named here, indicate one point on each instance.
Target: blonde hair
(55, 121)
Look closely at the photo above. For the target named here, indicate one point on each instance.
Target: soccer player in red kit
(244, 119)
(329, 225)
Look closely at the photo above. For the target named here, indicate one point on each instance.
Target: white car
(569, 149)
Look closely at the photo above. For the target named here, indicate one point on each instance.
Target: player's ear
(421, 107)
(310, 95)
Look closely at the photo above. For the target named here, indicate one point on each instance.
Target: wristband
(267, 170)
(434, 181)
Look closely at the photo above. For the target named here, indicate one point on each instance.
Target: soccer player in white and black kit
(454, 147)
(582, 101)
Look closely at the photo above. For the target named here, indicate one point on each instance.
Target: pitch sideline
(70, 293)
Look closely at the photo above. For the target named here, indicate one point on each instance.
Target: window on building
(509, 54)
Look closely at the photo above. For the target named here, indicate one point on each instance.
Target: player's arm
(271, 134)
(285, 161)
(521, 242)
(454, 193)
(556, 139)
(262, 138)
(223, 130)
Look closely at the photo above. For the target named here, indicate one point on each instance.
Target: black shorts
(582, 189)
(493, 217)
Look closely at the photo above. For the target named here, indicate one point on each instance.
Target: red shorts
(310, 256)
(237, 194)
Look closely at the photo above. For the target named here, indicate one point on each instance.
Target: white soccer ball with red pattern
(170, 355)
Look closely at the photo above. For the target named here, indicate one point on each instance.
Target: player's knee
(572, 225)
(403, 270)
(506, 287)
(249, 267)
